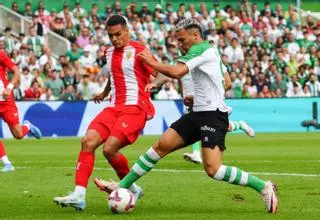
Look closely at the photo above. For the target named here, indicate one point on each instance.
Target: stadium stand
(268, 50)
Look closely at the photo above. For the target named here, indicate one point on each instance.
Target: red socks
(2, 150)
(121, 165)
(25, 130)
(84, 168)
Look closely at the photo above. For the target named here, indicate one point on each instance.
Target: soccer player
(186, 84)
(119, 124)
(207, 122)
(8, 109)
(188, 93)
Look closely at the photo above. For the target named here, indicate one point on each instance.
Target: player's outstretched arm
(99, 98)
(157, 82)
(173, 71)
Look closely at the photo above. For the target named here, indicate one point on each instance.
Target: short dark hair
(115, 20)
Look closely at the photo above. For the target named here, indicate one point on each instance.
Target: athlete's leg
(241, 125)
(96, 134)
(212, 160)
(5, 160)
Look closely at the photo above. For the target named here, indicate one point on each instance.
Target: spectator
(69, 77)
(294, 91)
(278, 84)
(15, 8)
(47, 57)
(78, 12)
(314, 85)
(75, 53)
(34, 42)
(55, 83)
(33, 63)
(33, 93)
(47, 96)
(306, 91)
(28, 10)
(87, 60)
(261, 82)
(58, 25)
(233, 52)
(41, 7)
(9, 43)
(26, 79)
(68, 94)
(265, 93)
(83, 39)
(86, 89)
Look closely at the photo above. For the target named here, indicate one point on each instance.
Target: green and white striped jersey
(206, 68)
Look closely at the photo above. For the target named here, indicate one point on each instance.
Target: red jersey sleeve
(6, 61)
(149, 69)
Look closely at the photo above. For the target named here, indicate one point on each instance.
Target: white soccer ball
(121, 201)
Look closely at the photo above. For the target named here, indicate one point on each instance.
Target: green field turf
(45, 170)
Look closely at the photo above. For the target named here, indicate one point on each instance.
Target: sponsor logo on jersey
(207, 128)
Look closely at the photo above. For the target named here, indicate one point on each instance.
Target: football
(121, 201)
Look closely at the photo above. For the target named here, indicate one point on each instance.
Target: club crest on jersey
(129, 55)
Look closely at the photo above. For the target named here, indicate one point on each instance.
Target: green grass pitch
(45, 169)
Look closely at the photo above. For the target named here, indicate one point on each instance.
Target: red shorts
(10, 115)
(125, 123)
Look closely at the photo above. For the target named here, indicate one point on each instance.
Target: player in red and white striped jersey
(8, 109)
(119, 124)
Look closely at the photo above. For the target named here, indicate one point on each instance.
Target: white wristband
(10, 86)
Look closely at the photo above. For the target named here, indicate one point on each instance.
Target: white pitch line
(193, 171)
(183, 161)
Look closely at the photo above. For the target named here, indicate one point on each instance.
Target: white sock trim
(147, 163)
(233, 175)
(80, 190)
(153, 155)
(233, 126)
(138, 170)
(220, 173)
(244, 178)
(27, 125)
(5, 159)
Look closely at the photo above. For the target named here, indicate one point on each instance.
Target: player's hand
(99, 98)
(150, 87)
(6, 93)
(146, 56)
(188, 101)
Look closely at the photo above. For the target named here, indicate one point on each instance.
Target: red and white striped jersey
(129, 76)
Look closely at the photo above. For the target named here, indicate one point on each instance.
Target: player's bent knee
(88, 145)
(108, 152)
(211, 170)
(161, 149)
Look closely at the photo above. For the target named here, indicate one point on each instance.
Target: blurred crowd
(269, 52)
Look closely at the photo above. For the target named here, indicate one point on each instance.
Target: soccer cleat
(72, 200)
(7, 168)
(34, 131)
(107, 186)
(246, 128)
(137, 192)
(195, 158)
(270, 197)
